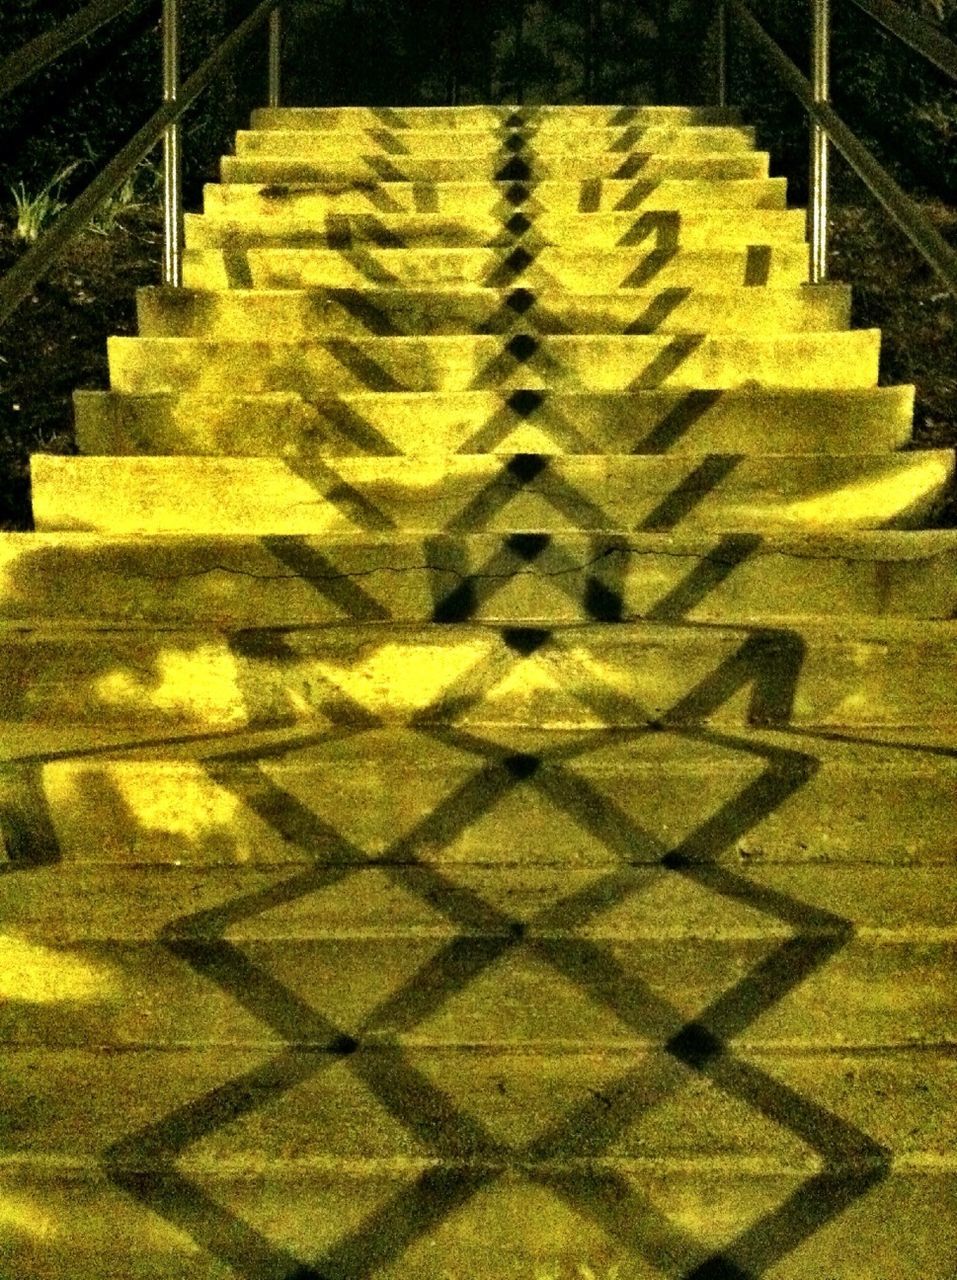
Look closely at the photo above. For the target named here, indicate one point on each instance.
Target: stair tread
(525, 492)
(69, 903)
(478, 737)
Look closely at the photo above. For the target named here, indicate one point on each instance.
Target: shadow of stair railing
(766, 661)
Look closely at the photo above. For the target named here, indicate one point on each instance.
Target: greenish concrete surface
(474, 117)
(610, 362)
(581, 271)
(81, 1220)
(97, 797)
(658, 230)
(502, 830)
(388, 903)
(473, 199)
(874, 420)
(536, 578)
(374, 169)
(298, 313)
(485, 493)
(805, 673)
(337, 1117)
(491, 143)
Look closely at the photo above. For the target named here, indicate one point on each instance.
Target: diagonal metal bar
(914, 30)
(47, 48)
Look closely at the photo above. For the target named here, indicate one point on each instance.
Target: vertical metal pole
(275, 56)
(818, 208)
(722, 54)
(172, 151)
(520, 51)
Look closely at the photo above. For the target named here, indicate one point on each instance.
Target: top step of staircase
(479, 117)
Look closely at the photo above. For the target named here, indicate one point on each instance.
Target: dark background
(404, 52)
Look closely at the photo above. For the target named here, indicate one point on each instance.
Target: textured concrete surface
(476, 117)
(287, 580)
(482, 143)
(372, 169)
(582, 270)
(471, 493)
(685, 228)
(299, 313)
(750, 420)
(468, 199)
(518, 361)
(501, 829)
(872, 672)
(88, 795)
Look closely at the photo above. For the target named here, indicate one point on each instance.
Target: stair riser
(244, 582)
(630, 363)
(264, 167)
(475, 117)
(99, 1226)
(96, 811)
(664, 231)
(496, 146)
(320, 1135)
(585, 271)
(863, 422)
(478, 199)
(142, 994)
(478, 494)
(395, 312)
(470, 677)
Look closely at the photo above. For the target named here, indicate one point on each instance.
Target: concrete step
(244, 581)
(578, 271)
(808, 674)
(301, 313)
(748, 420)
(454, 802)
(496, 144)
(487, 1220)
(265, 167)
(489, 987)
(663, 230)
(477, 117)
(521, 360)
(473, 199)
(478, 493)
(691, 1121)
(79, 904)
(90, 795)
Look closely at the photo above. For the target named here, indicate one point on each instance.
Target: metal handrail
(39, 53)
(20, 280)
(914, 31)
(919, 230)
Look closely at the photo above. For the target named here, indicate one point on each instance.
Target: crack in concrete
(729, 563)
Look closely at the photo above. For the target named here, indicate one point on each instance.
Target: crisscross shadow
(567, 1157)
(852, 1162)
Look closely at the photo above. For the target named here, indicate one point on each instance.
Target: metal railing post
(172, 151)
(275, 57)
(820, 78)
(722, 36)
(520, 52)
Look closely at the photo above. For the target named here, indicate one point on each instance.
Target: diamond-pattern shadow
(852, 1162)
(567, 1157)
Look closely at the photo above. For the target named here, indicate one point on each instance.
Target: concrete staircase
(479, 738)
